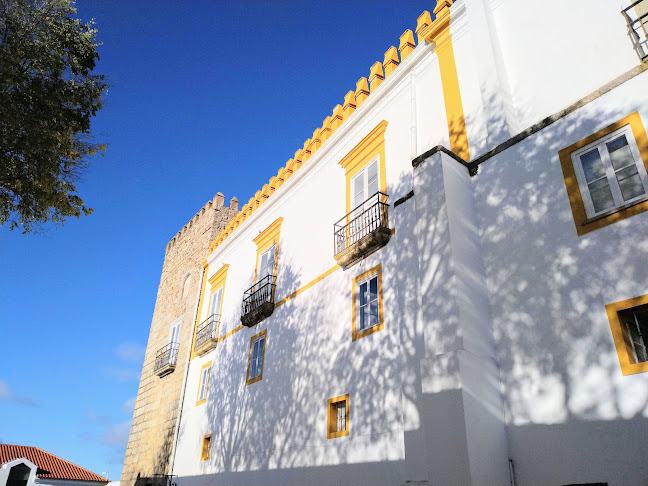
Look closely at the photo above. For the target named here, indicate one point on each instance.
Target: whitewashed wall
(573, 417)
(491, 300)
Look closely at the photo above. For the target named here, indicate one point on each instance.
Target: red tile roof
(56, 467)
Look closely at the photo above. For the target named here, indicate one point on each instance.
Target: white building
(377, 316)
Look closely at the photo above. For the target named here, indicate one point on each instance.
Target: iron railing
(362, 221)
(207, 330)
(260, 293)
(636, 16)
(166, 355)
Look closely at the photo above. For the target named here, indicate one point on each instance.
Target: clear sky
(206, 97)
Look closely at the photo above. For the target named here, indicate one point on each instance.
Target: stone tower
(157, 408)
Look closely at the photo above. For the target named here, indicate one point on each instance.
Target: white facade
(496, 357)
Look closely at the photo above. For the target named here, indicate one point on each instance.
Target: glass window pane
(372, 179)
(373, 309)
(620, 153)
(601, 195)
(358, 190)
(373, 284)
(592, 165)
(630, 183)
(363, 294)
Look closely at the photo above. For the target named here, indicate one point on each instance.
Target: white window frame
(270, 266)
(600, 144)
(359, 283)
(203, 385)
(177, 326)
(215, 309)
(364, 173)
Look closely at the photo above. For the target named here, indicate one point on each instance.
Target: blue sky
(206, 97)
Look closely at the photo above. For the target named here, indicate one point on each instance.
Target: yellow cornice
(219, 275)
(269, 233)
(375, 137)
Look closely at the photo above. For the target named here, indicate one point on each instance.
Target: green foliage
(48, 96)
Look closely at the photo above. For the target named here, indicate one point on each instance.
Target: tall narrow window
(629, 325)
(216, 300)
(206, 448)
(203, 384)
(255, 358)
(266, 264)
(367, 303)
(174, 333)
(337, 416)
(365, 183)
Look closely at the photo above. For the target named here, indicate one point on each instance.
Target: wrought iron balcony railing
(258, 301)
(165, 359)
(362, 231)
(636, 16)
(206, 336)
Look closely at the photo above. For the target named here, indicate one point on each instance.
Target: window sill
(614, 211)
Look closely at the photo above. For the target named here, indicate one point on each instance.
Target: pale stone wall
(158, 399)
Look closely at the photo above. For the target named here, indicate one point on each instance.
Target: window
(216, 301)
(206, 447)
(629, 325)
(266, 263)
(367, 314)
(174, 333)
(606, 174)
(610, 173)
(255, 358)
(337, 416)
(203, 384)
(365, 183)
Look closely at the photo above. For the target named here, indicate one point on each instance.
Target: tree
(48, 96)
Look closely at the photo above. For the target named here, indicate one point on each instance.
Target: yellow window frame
(369, 147)
(265, 239)
(621, 337)
(583, 225)
(248, 380)
(331, 417)
(216, 281)
(198, 400)
(354, 298)
(206, 447)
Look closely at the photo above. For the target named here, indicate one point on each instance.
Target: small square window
(206, 447)
(629, 325)
(338, 416)
(255, 358)
(203, 384)
(367, 312)
(606, 174)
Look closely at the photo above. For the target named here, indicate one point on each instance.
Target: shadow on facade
(567, 406)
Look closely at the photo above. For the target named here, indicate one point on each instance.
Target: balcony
(165, 359)
(207, 335)
(636, 16)
(362, 231)
(258, 301)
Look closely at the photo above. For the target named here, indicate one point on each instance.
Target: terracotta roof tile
(56, 467)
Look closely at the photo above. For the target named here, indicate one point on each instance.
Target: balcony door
(216, 299)
(364, 185)
(174, 334)
(266, 264)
